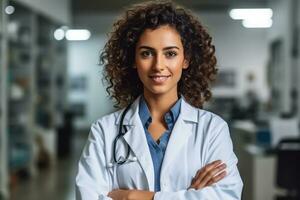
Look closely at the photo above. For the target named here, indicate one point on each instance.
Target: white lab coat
(198, 138)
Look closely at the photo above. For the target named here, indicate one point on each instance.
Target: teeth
(159, 78)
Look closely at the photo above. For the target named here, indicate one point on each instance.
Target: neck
(160, 104)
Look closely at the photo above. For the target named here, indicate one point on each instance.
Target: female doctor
(159, 62)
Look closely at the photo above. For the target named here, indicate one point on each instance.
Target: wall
(240, 49)
(3, 109)
(83, 59)
(281, 29)
(58, 10)
(298, 59)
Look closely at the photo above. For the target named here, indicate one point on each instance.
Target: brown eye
(146, 54)
(171, 54)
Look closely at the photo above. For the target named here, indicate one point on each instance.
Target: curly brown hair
(118, 55)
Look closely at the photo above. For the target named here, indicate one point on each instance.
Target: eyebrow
(166, 48)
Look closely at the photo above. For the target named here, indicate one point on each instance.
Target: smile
(159, 78)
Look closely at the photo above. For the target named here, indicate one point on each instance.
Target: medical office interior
(51, 90)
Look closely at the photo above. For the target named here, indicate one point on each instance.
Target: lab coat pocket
(130, 176)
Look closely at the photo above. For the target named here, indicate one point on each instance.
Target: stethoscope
(120, 135)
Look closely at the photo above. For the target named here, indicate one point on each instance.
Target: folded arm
(230, 187)
(204, 177)
(210, 182)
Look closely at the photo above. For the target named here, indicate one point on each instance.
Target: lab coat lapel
(182, 130)
(136, 139)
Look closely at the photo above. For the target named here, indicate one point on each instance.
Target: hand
(131, 195)
(119, 194)
(209, 175)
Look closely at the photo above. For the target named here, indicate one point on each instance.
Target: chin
(159, 91)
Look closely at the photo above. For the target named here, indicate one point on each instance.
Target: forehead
(160, 37)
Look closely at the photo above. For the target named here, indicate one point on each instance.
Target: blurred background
(51, 90)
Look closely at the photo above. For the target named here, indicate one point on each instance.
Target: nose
(158, 64)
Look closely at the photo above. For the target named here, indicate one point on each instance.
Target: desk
(256, 166)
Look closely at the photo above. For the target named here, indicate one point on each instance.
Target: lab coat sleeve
(92, 180)
(229, 188)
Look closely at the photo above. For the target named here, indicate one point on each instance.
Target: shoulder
(209, 124)
(201, 116)
(109, 122)
(211, 117)
(108, 119)
(104, 124)
(213, 126)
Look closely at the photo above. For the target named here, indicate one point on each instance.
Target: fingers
(118, 194)
(216, 178)
(209, 175)
(205, 170)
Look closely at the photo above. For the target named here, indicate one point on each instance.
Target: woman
(159, 63)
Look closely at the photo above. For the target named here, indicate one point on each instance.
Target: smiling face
(159, 59)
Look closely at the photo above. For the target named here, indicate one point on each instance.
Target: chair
(288, 168)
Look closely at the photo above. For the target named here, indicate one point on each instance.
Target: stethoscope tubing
(121, 134)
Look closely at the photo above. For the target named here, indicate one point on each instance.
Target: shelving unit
(51, 80)
(20, 89)
(32, 88)
(44, 69)
(50, 83)
(60, 81)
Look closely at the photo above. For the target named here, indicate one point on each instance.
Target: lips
(159, 78)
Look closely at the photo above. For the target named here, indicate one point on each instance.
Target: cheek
(141, 73)
(143, 67)
(176, 64)
(176, 69)
(140, 69)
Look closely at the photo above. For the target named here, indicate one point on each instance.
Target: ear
(185, 64)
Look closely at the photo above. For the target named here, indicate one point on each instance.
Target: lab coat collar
(183, 128)
(131, 115)
(137, 141)
(187, 113)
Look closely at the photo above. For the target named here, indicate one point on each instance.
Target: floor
(54, 183)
